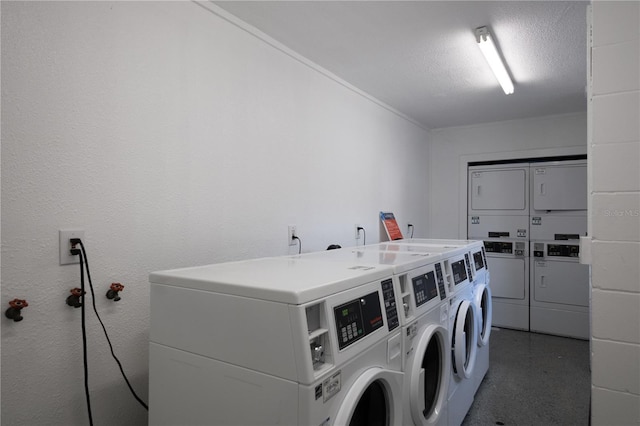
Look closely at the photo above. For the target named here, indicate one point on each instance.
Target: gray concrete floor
(533, 379)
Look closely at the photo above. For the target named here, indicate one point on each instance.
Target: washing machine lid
(278, 279)
(377, 255)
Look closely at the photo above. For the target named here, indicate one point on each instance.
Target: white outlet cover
(65, 235)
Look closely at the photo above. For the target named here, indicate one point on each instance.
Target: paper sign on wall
(391, 226)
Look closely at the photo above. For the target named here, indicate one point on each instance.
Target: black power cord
(299, 243)
(85, 357)
(364, 241)
(83, 256)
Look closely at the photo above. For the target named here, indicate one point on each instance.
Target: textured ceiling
(421, 58)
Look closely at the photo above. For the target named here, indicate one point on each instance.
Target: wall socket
(65, 235)
(292, 233)
(357, 231)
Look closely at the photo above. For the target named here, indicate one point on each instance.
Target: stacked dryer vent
(531, 216)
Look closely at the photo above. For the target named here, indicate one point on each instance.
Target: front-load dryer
(559, 289)
(509, 262)
(275, 341)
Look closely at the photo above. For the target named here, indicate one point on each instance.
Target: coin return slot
(405, 295)
(319, 343)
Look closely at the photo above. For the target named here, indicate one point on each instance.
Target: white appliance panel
(561, 322)
(508, 277)
(559, 187)
(179, 314)
(561, 283)
(488, 226)
(502, 189)
(207, 389)
(510, 315)
(551, 227)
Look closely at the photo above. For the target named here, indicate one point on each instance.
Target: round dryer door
(464, 340)
(428, 373)
(375, 399)
(483, 309)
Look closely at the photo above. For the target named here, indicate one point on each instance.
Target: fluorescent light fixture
(490, 52)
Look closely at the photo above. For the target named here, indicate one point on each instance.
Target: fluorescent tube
(490, 52)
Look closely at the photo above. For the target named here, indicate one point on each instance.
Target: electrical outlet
(65, 235)
(292, 233)
(357, 231)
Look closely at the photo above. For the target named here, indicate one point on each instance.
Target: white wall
(173, 138)
(614, 152)
(452, 148)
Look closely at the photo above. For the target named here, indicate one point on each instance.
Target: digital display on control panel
(424, 288)
(358, 318)
(440, 277)
(390, 304)
(563, 250)
(498, 247)
(478, 260)
(459, 271)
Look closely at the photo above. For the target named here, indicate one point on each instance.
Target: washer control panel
(424, 288)
(498, 247)
(357, 318)
(459, 271)
(390, 307)
(467, 263)
(556, 250)
(478, 260)
(440, 278)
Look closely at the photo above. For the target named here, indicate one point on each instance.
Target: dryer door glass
(372, 408)
(464, 341)
(485, 315)
(432, 365)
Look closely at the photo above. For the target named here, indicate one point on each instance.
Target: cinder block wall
(615, 215)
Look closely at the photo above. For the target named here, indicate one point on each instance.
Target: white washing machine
(275, 341)
(421, 288)
(484, 310)
(481, 291)
(559, 289)
(426, 348)
(462, 326)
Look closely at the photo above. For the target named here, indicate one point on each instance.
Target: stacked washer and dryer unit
(339, 337)
(531, 216)
(560, 289)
